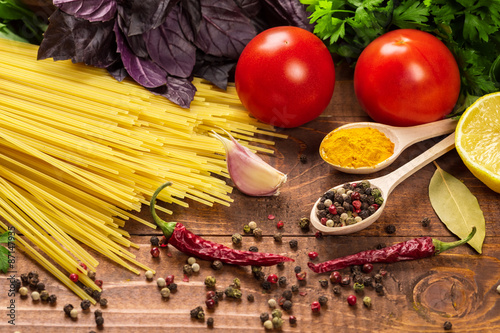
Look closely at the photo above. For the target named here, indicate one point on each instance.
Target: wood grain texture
(419, 296)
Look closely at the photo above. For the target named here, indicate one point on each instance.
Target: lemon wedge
(477, 139)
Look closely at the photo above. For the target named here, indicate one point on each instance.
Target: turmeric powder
(356, 147)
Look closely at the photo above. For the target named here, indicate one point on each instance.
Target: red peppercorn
(271, 217)
(355, 196)
(210, 294)
(273, 278)
(155, 252)
(169, 279)
(83, 266)
(335, 277)
(73, 277)
(323, 220)
(293, 320)
(210, 303)
(164, 242)
(367, 268)
(315, 306)
(375, 206)
(356, 204)
(313, 255)
(280, 224)
(301, 276)
(98, 283)
(351, 300)
(332, 209)
(319, 234)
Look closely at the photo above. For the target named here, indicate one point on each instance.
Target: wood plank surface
(419, 296)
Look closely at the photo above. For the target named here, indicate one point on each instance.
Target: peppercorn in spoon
(382, 186)
(354, 154)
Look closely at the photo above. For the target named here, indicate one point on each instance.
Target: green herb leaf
(457, 207)
(4, 238)
(4, 259)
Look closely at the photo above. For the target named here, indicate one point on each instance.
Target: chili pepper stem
(166, 227)
(444, 246)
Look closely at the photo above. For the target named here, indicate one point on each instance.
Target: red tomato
(285, 76)
(406, 77)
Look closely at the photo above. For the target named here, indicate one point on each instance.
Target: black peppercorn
(379, 288)
(266, 285)
(293, 243)
(88, 290)
(390, 229)
(197, 313)
(303, 159)
(155, 241)
(336, 289)
(91, 275)
(98, 313)
(287, 305)
(96, 295)
(356, 269)
(280, 265)
(24, 279)
(259, 275)
(67, 309)
(99, 321)
(278, 237)
(216, 265)
(282, 281)
(287, 294)
(40, 286)
(346, 280)
(304, 222)
(264, 316)
(297, 269)
(295, 288)
(377, 278)
(250, 298)
(210, 322)
(33, 275)
(253, 249)
(172, 286)
(380, 246)
(323, 300)
(103, 302)
(52, 299)
(425, 222)
(367, 281)
(85, 304)
(323, 283)
(447, 325)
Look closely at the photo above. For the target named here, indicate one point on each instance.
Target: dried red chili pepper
(412, 249)
(185, 241)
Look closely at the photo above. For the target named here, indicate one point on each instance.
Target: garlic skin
(250, 174)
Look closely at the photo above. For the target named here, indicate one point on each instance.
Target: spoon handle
(388, 182)
(410, 135)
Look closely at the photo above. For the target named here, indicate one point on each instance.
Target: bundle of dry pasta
(80, 152)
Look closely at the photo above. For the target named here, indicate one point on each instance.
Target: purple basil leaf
(143, 15)
(290, 12)
(142, 70)
(179, 91)
(191, 9)
(91, 10)
(68, 37)
(136, 42)
(213, 69)
(117, 71)
(168, 47)
(224, 30)
(249, 7)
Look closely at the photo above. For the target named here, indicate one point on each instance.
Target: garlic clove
(250, 173)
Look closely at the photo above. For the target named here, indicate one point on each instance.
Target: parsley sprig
(4, 252)
(470, 29)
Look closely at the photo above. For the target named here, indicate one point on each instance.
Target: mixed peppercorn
(348, 204)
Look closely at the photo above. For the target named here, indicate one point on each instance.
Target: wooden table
(419, 296)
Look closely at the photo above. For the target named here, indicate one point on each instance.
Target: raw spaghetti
(81, 152)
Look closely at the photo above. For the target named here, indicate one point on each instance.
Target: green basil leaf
(4, 238)
(457, 207)
(4, 259)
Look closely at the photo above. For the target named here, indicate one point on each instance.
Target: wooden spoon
(402, 137)
(386, 184)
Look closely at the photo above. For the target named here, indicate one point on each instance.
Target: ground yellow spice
(356, 147)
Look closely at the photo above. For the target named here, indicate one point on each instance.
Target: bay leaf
(457, 207)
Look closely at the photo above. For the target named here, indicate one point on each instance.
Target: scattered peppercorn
(197, 313)
(351, 300)
(323, 300)
(104, 302)
(210, 303)
(318, 235)
(210, 281)
(367, 268)
(380, 246)
(272, 303)
(35, 296)
(259, 275)
(96, 295)
(280, 224)
(187, 269)
(210, 322)
(67, 309)
(99, 283)
(266, 285)
(195, 267)
(97, 313)
(250, 297)
(233, 292)
(161, 282)
(247, 229)
(149, 275)
(216, 265)
(312, 255)
(268, 325)
(336, 290)
(358, 287)
(236, 238)
(264, 316)
(44, 295)
(304, 223)
(295, 288)
(297, 269)
(236, 283)
(277, 322)
(390, 229)
(91, 275)
(292, 320)
(278, 237)
(280, 265)
(155, 241)
(447, 325)
(293, 244)
(253, 249)
(85, 304)
(99, 321)
(315, 306)
(379, 288)
(172, 287)
(367, 301)
(425, 222)
(287, 294)
(40, 286)
(367, 281)
(257, 232)
(377, 278)
(52, 299)
(73, 313)
(73, 277)
(282, 281)
(273, 278)
(287, 305)
(301, 276)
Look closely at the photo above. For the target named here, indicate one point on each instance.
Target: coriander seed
(35, 296)
(73, 313)
(149, 275)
